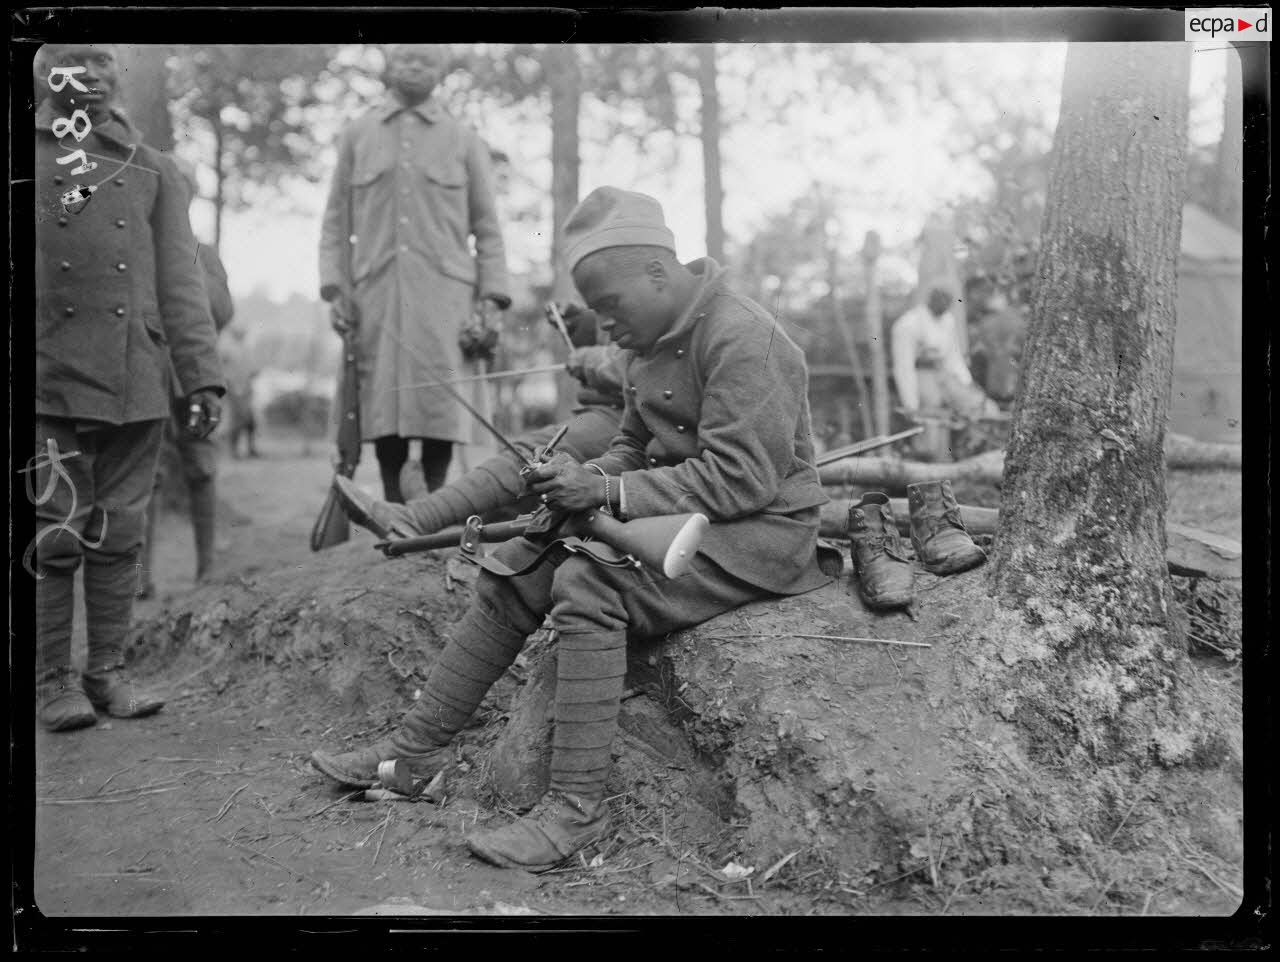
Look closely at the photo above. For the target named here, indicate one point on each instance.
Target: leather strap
(595, 550)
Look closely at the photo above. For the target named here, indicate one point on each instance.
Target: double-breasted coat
(717, 421)
(118, 287)
(411, 191)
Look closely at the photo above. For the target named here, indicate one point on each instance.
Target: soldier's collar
(712, 275)
(117, 129)
(429, 110)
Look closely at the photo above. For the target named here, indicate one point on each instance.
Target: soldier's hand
(204, 411)
(565, 485)
(576, 365)
(342, 314)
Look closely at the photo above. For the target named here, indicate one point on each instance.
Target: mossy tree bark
(1080, 552)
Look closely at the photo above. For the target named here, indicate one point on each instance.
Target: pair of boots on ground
(942, 544)
(572, 814)
(64, 699)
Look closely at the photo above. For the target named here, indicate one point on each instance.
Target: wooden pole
(875, 330)
(846, 334)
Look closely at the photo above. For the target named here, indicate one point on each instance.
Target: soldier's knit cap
(612, 217)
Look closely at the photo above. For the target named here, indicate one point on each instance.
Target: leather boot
(559, 826)
(885, 576)
(203, 522)
(941, 540)
(108, 601)
(61, 705)
(478, 651)
(119, 696)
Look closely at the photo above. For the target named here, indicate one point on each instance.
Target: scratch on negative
(773, 332)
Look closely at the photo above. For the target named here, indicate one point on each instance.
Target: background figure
(997, 345)
(238, 365)
(116, 280)
(929, 368)
(412, 187)
(195, 457)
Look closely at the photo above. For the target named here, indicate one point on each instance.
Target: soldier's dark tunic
(118, 290)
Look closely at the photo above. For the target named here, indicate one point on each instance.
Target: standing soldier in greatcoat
(118, 291)
(412, 189)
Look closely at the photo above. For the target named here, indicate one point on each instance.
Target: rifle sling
(595, 550)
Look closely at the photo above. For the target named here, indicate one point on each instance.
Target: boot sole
(323, 764)
(886, 603)
(72, 723)
(493, 858)
(955, 566)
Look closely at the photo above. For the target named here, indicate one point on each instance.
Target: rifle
(332, 526)
(666, 543)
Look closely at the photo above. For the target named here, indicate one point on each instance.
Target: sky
(889, 171)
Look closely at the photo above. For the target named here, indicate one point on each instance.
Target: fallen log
(1181, 453)
(1190, 552)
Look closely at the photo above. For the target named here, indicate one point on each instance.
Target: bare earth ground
(210, 807)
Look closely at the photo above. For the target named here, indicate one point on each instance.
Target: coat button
(57, 180)
(65, 265)
(122, 267)
(69, 312)
(119, 181)
(679, 352)
(653, 462)
(667, 395)
(120, 222)
(119, 312)
(680, 428)
(62, 222)
(632, 389)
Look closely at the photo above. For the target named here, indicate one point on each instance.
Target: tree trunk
(219, 176)
(850, 341)
(875, 329)
(1229, 172)
(143, 90)
(713, 190)
(1081, 544)
(564, 78)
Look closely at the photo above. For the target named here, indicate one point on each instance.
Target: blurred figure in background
(241, 371)
(412, 189)
(997, 347)
(929, 368)
(118, 295)
(196, 457)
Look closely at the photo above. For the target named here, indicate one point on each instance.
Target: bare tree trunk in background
(1081, 544)
(875, 331)
(144, 91)
(1229, 185)
(564, 78)
(710, 133)
(219, 175)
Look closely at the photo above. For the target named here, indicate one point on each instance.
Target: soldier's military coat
(118, 288)
(717, 421)
(411, 189)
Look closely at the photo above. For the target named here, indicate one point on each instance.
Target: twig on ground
(385, 823)
(877, 641)
(928, 841)
(226, 806)
(773, 869)
(1140, 797)
(1225, 886)
(359, 594)
(274, 861)
(220, 761)
(93, 799)
(720, 895)
(108, 781)
(955, 891)
(345, 798)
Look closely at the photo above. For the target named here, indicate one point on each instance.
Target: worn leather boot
(359, 768)
(61, 705)
(560, 825)
(119, 696)
(941, 540)
(885, 576)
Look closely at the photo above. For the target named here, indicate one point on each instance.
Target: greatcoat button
(680, 428)
(122, 267)
(120, 222)
(62, 222)
(70, 312)
(667, 395)
(119, 181)
(632, 389)
(119, 312)
(65, 265)
(57, 180)
(679, 352)
(653, 461)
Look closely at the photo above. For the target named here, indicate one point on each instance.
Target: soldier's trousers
(91, 486)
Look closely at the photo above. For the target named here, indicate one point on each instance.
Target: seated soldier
(716, 421)
(496, 484)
